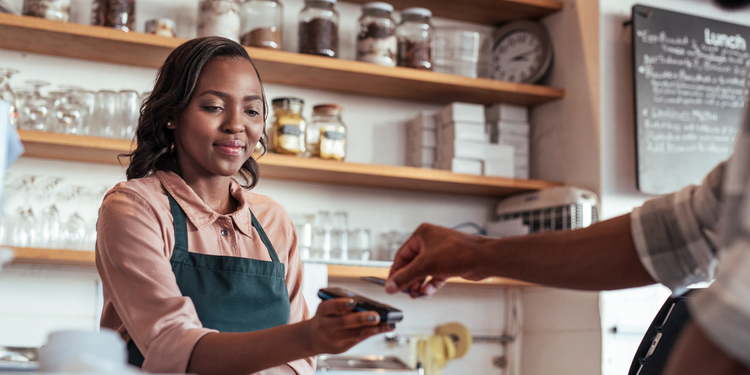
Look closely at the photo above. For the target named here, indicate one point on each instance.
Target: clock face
(522, 52)
(517, 57)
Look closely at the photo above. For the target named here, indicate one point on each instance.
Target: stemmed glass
(48, 222)
(35, 108)
(6, 93)
(73, 231)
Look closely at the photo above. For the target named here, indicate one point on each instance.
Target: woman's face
(218, 130)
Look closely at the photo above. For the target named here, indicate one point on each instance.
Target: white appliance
(558, 208)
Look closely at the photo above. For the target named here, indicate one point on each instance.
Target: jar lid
(328, 108)
(378, 5)
(424, 12)
(290, 100)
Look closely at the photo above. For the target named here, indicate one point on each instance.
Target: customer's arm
(599, 257)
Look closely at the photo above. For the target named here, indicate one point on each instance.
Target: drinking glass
(24, 228)
(53, 98)
(69, 112)
(321, 239)
(86, 100)
(105, 110)
(304, 228)
(35, 108)
(128, 110)
(360, 244)
(339, 235)
(7, 94)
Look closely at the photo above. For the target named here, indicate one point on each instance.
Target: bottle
(219, 18)
(414, 35)
(376, 41)
(319, 28)
(261, 22)
(119, 14)
(56, 10)
(331, 143)
(287, 131)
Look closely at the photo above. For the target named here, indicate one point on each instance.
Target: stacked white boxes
(421, 141)
(509, 125)
(463, 143)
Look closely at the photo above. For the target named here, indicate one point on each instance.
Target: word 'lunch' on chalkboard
(689, 86)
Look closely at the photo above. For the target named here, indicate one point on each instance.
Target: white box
(513, 128)
(461, 112)
(521, 172)
(462, 131)
(462, 149)
(467, 166)
(499, 161)
(502, 111)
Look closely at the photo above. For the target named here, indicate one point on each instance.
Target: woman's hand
(335, 327)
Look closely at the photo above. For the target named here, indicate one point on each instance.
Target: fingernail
(392, 325)
(391, 287)
(372, 318)
(351, 303)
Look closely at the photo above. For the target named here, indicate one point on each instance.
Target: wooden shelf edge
(80, 258)
(291, 168)
(96, 43)
(55, 257)
(344, 273)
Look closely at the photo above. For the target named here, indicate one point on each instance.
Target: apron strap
(180, 225)
(264, 238)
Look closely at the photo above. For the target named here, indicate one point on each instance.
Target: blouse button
(224, 232)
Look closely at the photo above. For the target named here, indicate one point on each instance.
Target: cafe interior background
(584, 139)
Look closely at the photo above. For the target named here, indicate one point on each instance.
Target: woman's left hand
(336, 327)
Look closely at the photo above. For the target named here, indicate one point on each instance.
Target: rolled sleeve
(141, 287)
(675, 234)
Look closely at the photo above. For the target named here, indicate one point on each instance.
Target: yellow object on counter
(460, 336)
(450, 341)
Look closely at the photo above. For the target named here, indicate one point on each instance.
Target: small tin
(162, 27)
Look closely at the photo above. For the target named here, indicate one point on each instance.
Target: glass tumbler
(128, 110)
(7, 94)
(321, 236)
(360, 244)
(35, 108)
(69, 112)
(105, 110)
(339, 235)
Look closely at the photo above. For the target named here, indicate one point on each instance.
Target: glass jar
(7, 94)
(319, 28)
(414, 35)
(219, 18)
(376, 41)
(119, 14)
(56, 10)
(326, 122)
(262, 22)
(287, 130)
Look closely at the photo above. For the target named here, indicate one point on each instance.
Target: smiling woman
(201, 275)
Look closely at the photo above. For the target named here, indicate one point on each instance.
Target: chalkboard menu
(689, 84)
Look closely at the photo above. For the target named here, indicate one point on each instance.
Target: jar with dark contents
(376, 41)
(219, 18)
(261, 23)
(286, 132)
(119, 14)
(56, 10)
(326, 121)
(414, 35)
(319, 28)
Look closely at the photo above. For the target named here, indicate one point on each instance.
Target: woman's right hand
(336, 327)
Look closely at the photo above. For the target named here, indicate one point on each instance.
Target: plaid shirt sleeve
(676, 234)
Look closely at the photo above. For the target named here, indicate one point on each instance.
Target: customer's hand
(430, 256)
(336, 327)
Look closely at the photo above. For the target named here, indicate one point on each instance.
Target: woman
(200, 275)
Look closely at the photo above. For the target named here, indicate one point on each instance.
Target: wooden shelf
(341, 273)
(30, 34)
(284, 167)
(490, 12)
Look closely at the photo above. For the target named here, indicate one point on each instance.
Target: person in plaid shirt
(698, 234)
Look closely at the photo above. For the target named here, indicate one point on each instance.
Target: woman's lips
(230, 147)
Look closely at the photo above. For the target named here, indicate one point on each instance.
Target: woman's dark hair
(175, 83)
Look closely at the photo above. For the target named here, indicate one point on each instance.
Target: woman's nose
(233, 123)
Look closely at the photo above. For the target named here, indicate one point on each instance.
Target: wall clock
(522, 52)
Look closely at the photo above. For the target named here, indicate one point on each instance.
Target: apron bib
(230, 294)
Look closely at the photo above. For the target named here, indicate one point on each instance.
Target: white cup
(67, 351)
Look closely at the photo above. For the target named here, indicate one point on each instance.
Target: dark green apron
(230, 294)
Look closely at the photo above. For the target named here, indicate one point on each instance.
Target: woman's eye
(212, 108)
(252, 112)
